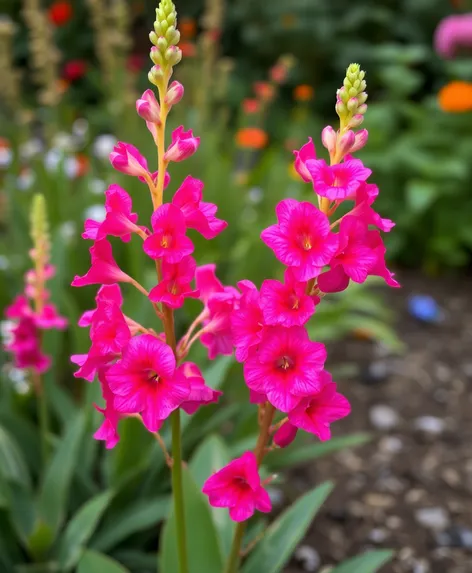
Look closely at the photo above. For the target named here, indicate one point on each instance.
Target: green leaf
(37, 568)
(202, 542)
(420, 194)
(211, 456)
(22, 510)
(292, 456)
(54, 493)
(282, 536)
(142, 515)
(80, 528)
(12, 464)
(368, 563)
(94, 562)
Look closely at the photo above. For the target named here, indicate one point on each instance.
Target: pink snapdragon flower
(286, 303)
(286, 366)
(365, 196)
(110, 293)
(198, 214)
(306, 152)
(314, 414)
(247, 321)
(453, 33)
(25, 345)
(183, 145)
(108, 430)
(238, 487)
(127, 159)
(49, 317)
(148, 107)
(168, 241)
(145, 381)
(302, 239)
(174, 93)
(104, 269)
(119, 220)
(340, 181)
(200, 393)
(175, 285)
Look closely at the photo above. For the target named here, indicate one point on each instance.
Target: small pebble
(379, 500)
(378, 535)
(430, 425)
(390, 445)
(420, 566)
(393, 522)
(455, 536)
(308, 557)
(435, 518)
(383, 417)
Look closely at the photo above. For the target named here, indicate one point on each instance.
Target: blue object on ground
(424, 308)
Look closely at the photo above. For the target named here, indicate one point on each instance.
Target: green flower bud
(39, 226)
(162, 44)
(153, 37)
(351, 98)
(156, 75)
(173, 55)
(165, 38)
(156, 56)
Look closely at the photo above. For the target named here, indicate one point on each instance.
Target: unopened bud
(362, 109)
(172, 36)
(356, 121)
(360, 140)
(173, 55)
(156, 56)
(346, 141)
(155, 75)
(39, 226)
(352, 104)
(340, 108)
(362, 97)
(148, 108)
(162, 44)
(174, 93)
(153, 37)
(328, 138)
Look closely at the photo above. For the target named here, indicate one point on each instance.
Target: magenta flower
(315, 413)
(453, 33)
(286, 366)
(25, 346)
(247, 322)
(306, 152)
(175, 285)
(146, 381)
(285, 435)
(174, 94)
(286, 303)
(207, 282)
(365, 196)
(104, 269)
(200, 393)
(183, 145)
(127, 159)
(218, 336)
(198, 214)
(340, 181)
(19, 308)
(119, 220)
(168, 241)
(111, 293)
(302, 239)
(238, 487)
(50, 318)
(108, 431)
(148, 107)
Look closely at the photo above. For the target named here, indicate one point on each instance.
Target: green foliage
(369, 562)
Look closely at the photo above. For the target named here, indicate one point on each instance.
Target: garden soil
(410, 488)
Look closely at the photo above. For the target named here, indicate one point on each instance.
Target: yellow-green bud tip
(165, 38)
(351, 97)
(39, 224)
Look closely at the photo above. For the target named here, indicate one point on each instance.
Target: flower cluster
(284, 369)
(32, 311)
(142, 372)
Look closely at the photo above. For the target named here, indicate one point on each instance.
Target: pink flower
(365, 196)
(119, 220)
(337, 182)
(218, 336)
(108, 293)
(108, 431)
(452, 33)
(200, 393)
(168, 241)
(19, 308)
(286, 303)
(301, 157)
(207, 282)
(175, 285)
(315, 413)
(148, 107)
(127, 159)
(145, 381)
(238, 487)
(50, 318)
(302, 239)
(198, 215)
(183, 145)
(174, 94)
(247, 322)
(285, 435)
(26, 347)
(286, 366)
(104, 269)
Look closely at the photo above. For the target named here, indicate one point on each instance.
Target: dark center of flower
(152, 376)
(285, 363)
(305, 242)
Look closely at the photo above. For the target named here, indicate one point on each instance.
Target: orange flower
(251, 138)
(189, 49)
(456, 97)
(250, 105)
(264, 90)
(188, 28)
(303, 92)
(83, 164)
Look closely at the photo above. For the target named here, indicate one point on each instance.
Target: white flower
(97, 186)
(6, 157)
(6, 328)
(19, 380)
(68, 230)
(64, 141)
(103, 145)
(95, 212)
(71, 167)
(31, 148)
(4, 263)
(52, 160)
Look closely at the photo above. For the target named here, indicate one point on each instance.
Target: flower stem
(232, 564)
(43, 416)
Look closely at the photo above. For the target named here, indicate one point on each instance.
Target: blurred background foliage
(420, 157)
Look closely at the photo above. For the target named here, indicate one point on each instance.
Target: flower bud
(153, 37)
(340, 108)
(352, 104)
(173, 55)
(39, 227)
(356, 120)
(156, 56)
(172, 36)
(174, 93)
(351, 97)
(362, 109)
(346, 141)
(155, 75)
(328, 138)
(162, 44)
(148, 108)
(360, 140)
(183, 145)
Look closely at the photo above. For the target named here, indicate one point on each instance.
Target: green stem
(178, 492)
(43, 417)
(233, 559)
